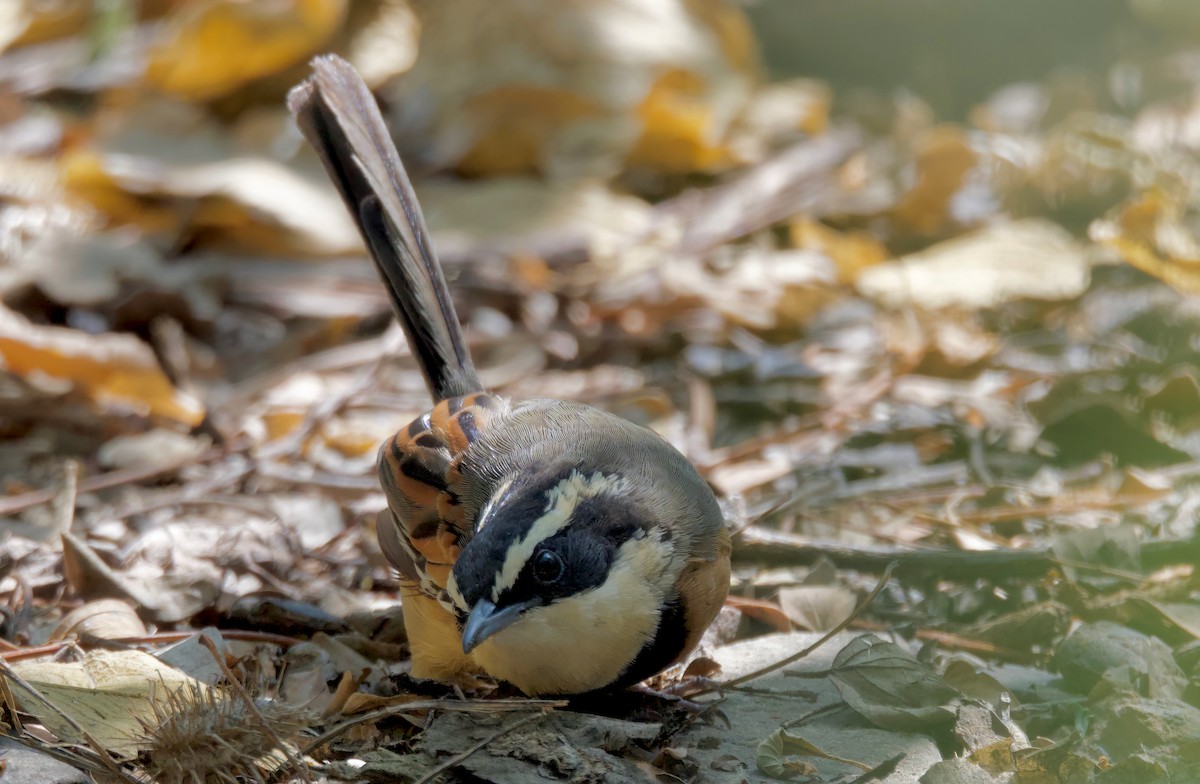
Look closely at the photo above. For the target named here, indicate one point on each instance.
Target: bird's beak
(485, 620)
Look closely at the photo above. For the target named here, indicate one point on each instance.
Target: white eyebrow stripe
(489, 507)
(561, 502)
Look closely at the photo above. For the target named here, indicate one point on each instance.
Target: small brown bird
(544, 542)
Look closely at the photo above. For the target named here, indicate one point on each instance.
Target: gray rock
(27, 766)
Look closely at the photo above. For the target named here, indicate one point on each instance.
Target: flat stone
(24, 765)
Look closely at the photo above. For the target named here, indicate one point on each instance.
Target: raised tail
(339, 117)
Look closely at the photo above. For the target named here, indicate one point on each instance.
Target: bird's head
(567, 578)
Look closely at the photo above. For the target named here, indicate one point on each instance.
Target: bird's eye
(547, 567)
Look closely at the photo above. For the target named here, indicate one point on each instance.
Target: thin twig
(124, 476)
(461, 706)
(458, 759)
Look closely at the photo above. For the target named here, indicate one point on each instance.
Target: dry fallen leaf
(212, 48)
(851, 252)
(25, 22)
(112, 695)
(112, 370)
(944, 158)
(890, 687)
(817, 608)
(657, 86)
(1151, 233)
(1025, 259)
(103, 619)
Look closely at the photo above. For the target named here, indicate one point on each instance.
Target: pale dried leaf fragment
(167, 598)
(818, 608)
(655, 84)
(112, 695)
(103, 619)
(1025, 259)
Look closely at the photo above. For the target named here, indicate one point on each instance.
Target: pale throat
(599, 631)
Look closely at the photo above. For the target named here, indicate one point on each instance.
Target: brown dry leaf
(112, 370)
(769, 613)
(111, 694)
(215, 47)
(167, 598)
(1025, 259)
(851, 252)
(103, 619)
(519, 90)
(944, 158)
(1142, 486)
(362, 702)
(165, 168)
(1152, 233)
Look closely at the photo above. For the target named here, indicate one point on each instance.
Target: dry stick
(111, 764)
(297, 765)
(774, 548)
(459, 758)
(13, 653)
(795, 657)
(462, 706)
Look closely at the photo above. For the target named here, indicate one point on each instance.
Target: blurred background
(854, 259)
(819, 245)
(892, 273)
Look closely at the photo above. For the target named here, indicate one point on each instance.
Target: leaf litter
(888, 333)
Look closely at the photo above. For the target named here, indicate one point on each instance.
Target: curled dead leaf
(103, 619)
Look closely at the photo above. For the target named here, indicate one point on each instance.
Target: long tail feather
(339, 117)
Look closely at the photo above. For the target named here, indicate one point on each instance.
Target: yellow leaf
(25, 22)
(85, 176)
(944, 158)
(679, 132)
(215, 47)
(110, 369)
(110, 694)
(1150, 232)
(520, 121)
(851, 251)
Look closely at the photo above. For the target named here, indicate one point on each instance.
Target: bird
(545, 543)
